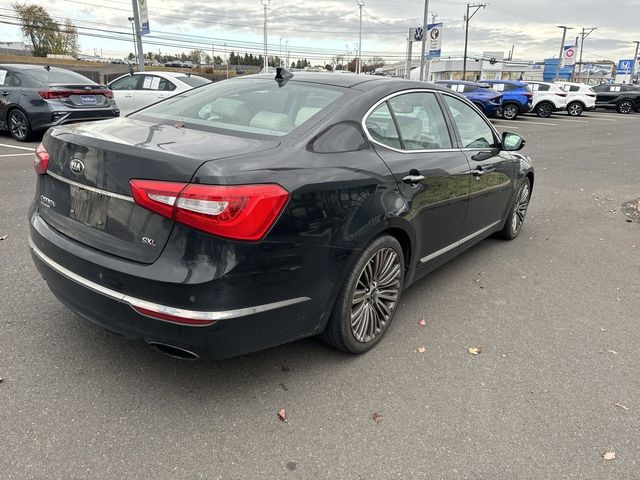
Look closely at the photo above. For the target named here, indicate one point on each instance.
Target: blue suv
(484, 97)
(517, 97)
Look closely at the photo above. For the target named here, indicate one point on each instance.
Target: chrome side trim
(91, 189)
(458, 243)
(155, 307)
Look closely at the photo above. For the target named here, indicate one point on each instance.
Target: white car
(580, 97)
(133, 92)
(547, 98)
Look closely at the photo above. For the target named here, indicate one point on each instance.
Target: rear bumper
(65, 117)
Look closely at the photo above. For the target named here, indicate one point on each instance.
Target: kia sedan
(258, 210)
(35, 97)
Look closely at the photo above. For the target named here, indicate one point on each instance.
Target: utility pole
(133, 33)
(468, 17)
(564, 37)
(226, 59)
(423, 50)
(584, 35)
(136, 18)
(634, 64)
(265, 4)
(359, 58)
(213, 57)
(280, 54)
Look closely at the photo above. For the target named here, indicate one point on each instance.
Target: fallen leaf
(282, 415)
(612, 352)
(624, 407)
(609, 455)
(481, 273)
(474, 350)
(421, 349)
(422, 323)
(377, 417)
(3, 237)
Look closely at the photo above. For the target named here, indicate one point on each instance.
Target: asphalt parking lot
(556, 384)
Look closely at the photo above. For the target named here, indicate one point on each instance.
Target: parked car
(137, 90)
(624, 98)
(34, 98)
(580, 97)
(174, 63)
(517, 97)
(547, 98)
(188, 64)
(481, 95)
(257, 211)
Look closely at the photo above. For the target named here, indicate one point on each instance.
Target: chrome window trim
(458, 243)
(422, 90)
(158, 308)
(91, 189)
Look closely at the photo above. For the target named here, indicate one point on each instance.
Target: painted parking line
(31, 149)
(16, 154)
(535, 123)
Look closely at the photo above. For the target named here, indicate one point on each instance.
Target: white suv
(580, 97)
(547, 98)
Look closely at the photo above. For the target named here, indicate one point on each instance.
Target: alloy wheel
(18, 125)
(520, 208)
(544, 110)
(509, 112)
(625, 107)
(574, 109)
(376, 294)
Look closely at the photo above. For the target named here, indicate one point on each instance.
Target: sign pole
(136, 17)
(425, 27)
(407, 68)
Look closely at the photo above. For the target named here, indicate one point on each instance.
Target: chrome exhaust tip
(173, 351)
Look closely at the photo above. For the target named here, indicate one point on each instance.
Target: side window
(574, 88)
(9, 79)
(382, 128)
(543, 88)
(421, 122)
(474, 131)
(499, 87)
(3, 77)
(166, 85)
(469, 88)
(534, 87)
(614, 88)
(509, 86)
(457, 88)
(126, 83)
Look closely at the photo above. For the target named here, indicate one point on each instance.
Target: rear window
(252, 106)
(56, 75)
(193, 80)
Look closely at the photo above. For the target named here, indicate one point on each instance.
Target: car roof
(30, 66)
(459, 82)
(352, 81)
(512, 82)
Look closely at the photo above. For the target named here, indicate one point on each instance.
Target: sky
(320, 30)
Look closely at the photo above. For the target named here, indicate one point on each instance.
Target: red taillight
(241, 212)
(51, 94)
(41, 162)
(173, 318)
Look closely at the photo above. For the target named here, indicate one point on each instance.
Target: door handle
(413, 180)
(4, 94)
(478, 172)
(129, 95)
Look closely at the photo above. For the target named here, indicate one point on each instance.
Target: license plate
(88, 207)
(88, 99)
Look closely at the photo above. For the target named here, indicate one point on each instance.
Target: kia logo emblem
(76, 166)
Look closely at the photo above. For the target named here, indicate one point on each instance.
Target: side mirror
(512, 142)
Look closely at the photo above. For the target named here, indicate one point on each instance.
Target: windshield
(254, 106)
(58, 76)
(193, 80)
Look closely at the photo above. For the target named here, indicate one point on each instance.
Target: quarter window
(474, 131)
(421, 122)
(126, 83)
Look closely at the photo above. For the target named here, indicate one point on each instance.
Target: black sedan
(35, 97)
(259, 210)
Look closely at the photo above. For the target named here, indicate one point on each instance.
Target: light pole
(634, 64)
(136, 20)
(133, 35)
(265, 4)
(280, 54)
(564, 37)
(584, 35)
(286, 49)
(425, 28)
(468, 17)
(359, 58)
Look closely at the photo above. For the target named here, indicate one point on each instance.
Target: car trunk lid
(86, 193)
(81, 96)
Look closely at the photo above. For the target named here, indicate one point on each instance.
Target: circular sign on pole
(435, 33)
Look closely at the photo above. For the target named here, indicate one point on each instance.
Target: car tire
(575, 109)
(510, 111)
(624, 106)
(544, 109)
(517, 211)
(18, 125)
(368, 299)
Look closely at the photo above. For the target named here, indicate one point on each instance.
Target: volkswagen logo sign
(418, 33)
(76, 165)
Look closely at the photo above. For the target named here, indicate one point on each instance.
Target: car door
(151, 89)
(411, 135)
(123, 89)
(492, 171)
(607, 94)
(5, 92)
